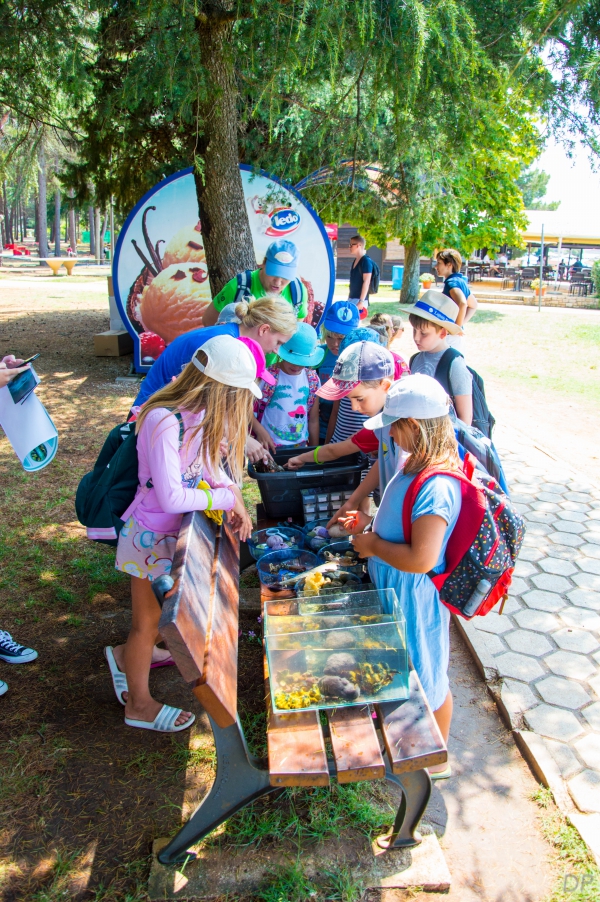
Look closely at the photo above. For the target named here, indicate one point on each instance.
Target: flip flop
(3, 687)
(166, 662)
(118, 677)
(442, 774)
(164, 722)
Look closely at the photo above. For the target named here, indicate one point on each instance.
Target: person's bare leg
(138, 654)
(443, 716)
(158, 654)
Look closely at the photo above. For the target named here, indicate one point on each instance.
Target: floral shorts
(143, 553)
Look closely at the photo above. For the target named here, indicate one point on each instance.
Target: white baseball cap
(420, 397)
(229, 362)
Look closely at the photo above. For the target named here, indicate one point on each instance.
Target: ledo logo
(284, 220)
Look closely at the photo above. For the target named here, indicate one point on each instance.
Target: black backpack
(105, 494)
(482, 418)
(375, 277)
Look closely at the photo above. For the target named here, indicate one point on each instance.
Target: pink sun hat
(261, 363)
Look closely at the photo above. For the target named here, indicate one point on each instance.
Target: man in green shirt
(277, 275)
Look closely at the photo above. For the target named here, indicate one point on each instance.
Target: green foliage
(596, 276)
(533, 184)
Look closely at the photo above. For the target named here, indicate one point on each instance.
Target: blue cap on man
(282, 260)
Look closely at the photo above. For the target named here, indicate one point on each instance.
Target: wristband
(316, 454)
(209, 498)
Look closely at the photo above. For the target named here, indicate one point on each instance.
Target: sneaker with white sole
(3, 687)
(12, 652)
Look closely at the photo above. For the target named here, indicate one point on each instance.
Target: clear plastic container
(274, 568)
(367, 600)
(258, 541)
(338, 576)
(351, 664)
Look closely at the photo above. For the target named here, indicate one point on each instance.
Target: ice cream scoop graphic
(175, 300)
(186, 246)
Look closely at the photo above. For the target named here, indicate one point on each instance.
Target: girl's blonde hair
(434, 446)
(227, 414)
(271, 310)
(382, 324)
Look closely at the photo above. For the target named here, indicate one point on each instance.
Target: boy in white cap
(406, 546)
(433, 318)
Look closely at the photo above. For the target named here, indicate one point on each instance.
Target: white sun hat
(420, 397)
(229, 362)
(436, 308)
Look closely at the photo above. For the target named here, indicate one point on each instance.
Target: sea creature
(268, 466)
(322, 568)
(339, 664)
(338, 687)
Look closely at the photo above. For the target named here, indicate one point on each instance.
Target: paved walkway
(546, 644)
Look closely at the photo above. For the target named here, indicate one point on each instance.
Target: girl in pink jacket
(180, 471)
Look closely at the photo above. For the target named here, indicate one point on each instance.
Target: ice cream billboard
(160, 275)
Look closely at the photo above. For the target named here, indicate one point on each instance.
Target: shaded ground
(81, 796)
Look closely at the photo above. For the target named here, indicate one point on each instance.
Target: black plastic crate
(281, 493)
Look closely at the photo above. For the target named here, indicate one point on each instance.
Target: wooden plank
(412, 737)
(217, 688)
(200, 621)
(355, 744)
(296, 747)
(184, 617)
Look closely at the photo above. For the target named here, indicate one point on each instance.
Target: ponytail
(271, 310)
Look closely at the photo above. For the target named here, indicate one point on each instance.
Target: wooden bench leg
(240, 780)
(416, 791)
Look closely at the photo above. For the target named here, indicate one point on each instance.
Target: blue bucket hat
(342, 318)
(363, 333)
(302, 348)
(282, 260)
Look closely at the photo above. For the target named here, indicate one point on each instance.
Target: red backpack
(483, 547)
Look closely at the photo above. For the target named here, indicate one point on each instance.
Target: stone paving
(546, 643)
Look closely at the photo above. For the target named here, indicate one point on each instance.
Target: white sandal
(118, 677)
(164, 722)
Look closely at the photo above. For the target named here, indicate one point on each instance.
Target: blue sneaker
(3, 687)
(12, 652)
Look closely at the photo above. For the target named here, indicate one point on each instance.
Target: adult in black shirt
(360, 275)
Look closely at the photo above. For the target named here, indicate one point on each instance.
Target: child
(288, 414)
(416, 411)
(456, 287)
(346, 420)
(340, 319)
(433, 318)
(360, 377)
(382, 324)
(178, 474)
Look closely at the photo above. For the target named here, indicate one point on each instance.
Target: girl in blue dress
(416, 411)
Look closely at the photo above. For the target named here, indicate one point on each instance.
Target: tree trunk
(92, 232)
(3, 238)
(103, 233)
(97, 235)
(72, 239)
(42, 199)
(410, 282)
(226, 231)
(57, 223)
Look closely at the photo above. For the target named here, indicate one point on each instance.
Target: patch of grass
(307, 816)
(573, 855)
(292, 885)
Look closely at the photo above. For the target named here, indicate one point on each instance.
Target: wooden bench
(199, 622)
